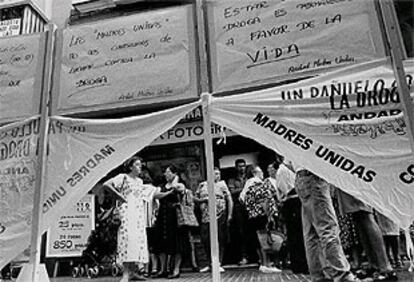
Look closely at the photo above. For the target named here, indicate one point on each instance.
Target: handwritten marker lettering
(266, 56)
(14, 83)
(165, 38)
(279, 13)
(93, 52)
(336, 19)
(73, 56)
(76, 40)
(241, 23)
(109, 33)
(276, 30)
(230, 42)
(306, 25)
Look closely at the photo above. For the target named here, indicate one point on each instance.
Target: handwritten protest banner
(18, 163)
(346, 126)
(139, 59)
(254, 42)
(69, 235)
(21, 72)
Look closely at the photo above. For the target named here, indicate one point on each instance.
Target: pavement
(231, 275)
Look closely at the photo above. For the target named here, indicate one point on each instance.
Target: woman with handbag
(260, 204)
(132, 240)
(224, 211)
(170, 245)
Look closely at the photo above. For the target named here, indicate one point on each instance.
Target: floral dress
(132, 238)
(259, 199)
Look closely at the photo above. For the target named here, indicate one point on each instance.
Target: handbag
(185, 211)
(270, 240)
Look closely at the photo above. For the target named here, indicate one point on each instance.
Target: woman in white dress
(132, 240)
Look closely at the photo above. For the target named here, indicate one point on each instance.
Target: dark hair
(129, 162)
(216, 168)
(239, 161)
(146, 175)
(172, 168)
(279, 158)
(275, 165)
(250, 170)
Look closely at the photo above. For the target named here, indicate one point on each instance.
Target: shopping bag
(185, 211)
(270, 240)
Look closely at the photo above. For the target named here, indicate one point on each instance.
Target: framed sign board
(257, 42)
(140, 59)
(21, 74)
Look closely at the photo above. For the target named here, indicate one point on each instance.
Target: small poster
(10, 27)
(69, 236)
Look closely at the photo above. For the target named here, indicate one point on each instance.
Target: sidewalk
(234, 275)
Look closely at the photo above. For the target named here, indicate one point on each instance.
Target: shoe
(221, 269)
(349, 277)
(389, 276)
(137, 277)
(392, 276)
(205, 269)
(153, 273)
(398, 265)
(161, 275)
(361, 273)
(267, 269)
(174, 276)
(243, 261)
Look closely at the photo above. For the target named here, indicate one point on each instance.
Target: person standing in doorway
(132, 238)
(238, 226)
(224, 208)
(290, 214)
(170, 244)
(259, 199)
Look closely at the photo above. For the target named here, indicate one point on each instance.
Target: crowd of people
(151, 239)
(325, 232)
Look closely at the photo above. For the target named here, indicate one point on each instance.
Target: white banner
(81, 152)
(254, 41)
(18, 157)
(192, 131)
(68, 237)
(347, 127)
